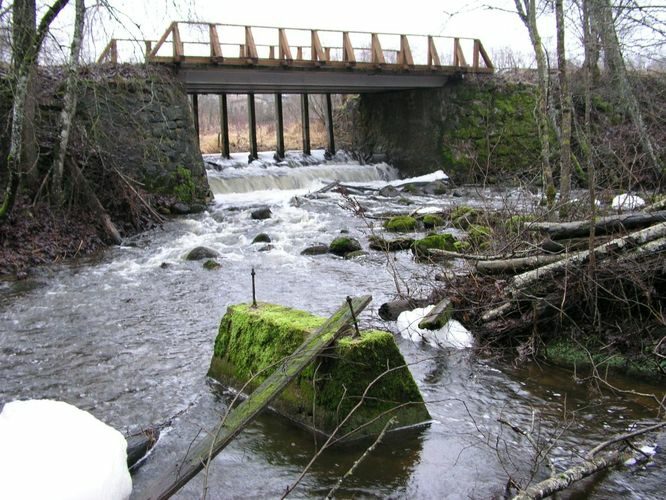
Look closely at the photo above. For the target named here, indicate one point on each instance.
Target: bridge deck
(214, 58)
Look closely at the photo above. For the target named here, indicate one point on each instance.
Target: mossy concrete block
(431, 221)
(401, 223)
(251, 341)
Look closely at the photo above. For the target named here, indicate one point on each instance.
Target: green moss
(343, 245)
(253, 340)
(463, 216)
(438, 241)
(516, 223)
(401, 223)
(431, 220)
(211, 264)
(461, 246)
(479, 236)
(184, 188)
(566, 353)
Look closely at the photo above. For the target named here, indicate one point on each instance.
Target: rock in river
(199, 253)
(262, 213)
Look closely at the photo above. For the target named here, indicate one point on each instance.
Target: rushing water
(130, 335)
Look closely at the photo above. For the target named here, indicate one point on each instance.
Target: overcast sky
(496, 29)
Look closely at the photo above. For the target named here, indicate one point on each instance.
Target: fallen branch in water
(591, 465)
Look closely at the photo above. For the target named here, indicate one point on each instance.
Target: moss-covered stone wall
(251, 342)
(133, 119)
(472, 129)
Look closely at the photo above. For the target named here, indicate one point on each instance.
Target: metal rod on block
(330, 151)
(224, 127)
(279, 128)
(305, 119)
(252, 125)
(254, 293)
(351, 308)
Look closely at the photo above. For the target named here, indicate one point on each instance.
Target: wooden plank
(215, 48)
(105, 53)
(250, 46)
(433, 56)
(458, 55)
(225, 151)
(475, 55)
(438, 317)
(317, 50)
(271, 52)
(285, 50)
(161, 41)
(238, 418)
(177, 43)
(299, 53)
(485, 56)
(377, 52)
(347, 49)
(252, 127)
(405, 58)
(149, 47)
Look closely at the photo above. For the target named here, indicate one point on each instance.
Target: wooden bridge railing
(229, 44)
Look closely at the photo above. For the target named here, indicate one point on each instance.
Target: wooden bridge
(212, 58)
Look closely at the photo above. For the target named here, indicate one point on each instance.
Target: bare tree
(526, 10)
(70, 99)
(27, 42)
(566, 105)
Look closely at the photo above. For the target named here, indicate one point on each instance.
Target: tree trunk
(527, 13)
(565, 114)
(24, 55)
(69, 104)
(603, 225)
(603, 17)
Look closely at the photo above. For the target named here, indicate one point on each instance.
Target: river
(129, 335)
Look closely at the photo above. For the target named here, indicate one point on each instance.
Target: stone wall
(139, 121)
(474, 130)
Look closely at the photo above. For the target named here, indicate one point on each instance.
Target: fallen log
(239, 417)
(575, 261)
(389, 311)
(516, 265)
(93, 203)
(138, 446)
(603, 225)
(591, 465)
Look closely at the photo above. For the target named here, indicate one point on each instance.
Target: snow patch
(453, 334)
(627, 201)
(51, 449)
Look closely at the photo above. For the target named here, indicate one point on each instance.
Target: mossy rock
(343, 245)
(479, 236)
(438, 241)
(462, 246)
(400, 224)
(463, 216)
(211, 264)
(251, 342)
(355, 255)
(261, 238)
(431, 221)
(380, 244)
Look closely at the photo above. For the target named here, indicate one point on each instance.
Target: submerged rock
(199, 253)
(180, 208)
(356, 254)
(343, 245)
(318, 249)
(261, 213)
(254, 340)
(261, 238)
(388, 192)
(380, 244)
(211, 264)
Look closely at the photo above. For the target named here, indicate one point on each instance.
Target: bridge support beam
(330, 150)
(279, 128)
(195, 114)
(252, 126)
(224, 127)
(305, 123)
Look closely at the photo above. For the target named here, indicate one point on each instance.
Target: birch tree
(27, 44)
(69, 104)
(526, 10)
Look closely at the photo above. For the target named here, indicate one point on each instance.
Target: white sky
(150, 18)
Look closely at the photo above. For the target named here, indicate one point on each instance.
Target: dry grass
(266, 141)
